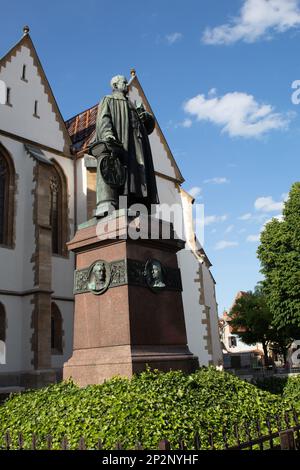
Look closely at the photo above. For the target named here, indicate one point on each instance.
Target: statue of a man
(122, 132)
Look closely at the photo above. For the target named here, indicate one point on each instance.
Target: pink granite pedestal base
(129, 326)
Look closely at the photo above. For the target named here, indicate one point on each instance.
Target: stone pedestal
(127, 323)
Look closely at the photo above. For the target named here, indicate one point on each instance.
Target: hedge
(147, 408)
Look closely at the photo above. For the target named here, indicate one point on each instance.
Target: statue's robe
(118, 117)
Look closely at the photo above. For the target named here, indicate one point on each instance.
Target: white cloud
(224, 244)
(173, 37)
(195, 191)
(266, 204)
(187, 123)
(253, 238)
(229, 229)
(213, 219)
(257, 19)
(245, 216)
(237, 113)
(217, 180)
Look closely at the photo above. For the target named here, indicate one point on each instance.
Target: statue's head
(119, 83)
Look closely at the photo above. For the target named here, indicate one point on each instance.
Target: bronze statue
(125, 165)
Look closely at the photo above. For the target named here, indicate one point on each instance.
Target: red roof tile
(82, 128)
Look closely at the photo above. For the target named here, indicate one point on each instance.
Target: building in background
(47, 188)
(236, 354)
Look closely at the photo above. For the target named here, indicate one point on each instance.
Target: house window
(8, 97)
(36, 109)
(7, 178)
(56, 330)
(232, 342)
(23, 77)
(2, 335)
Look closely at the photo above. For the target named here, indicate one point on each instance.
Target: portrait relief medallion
(99, 277)
(154, 274)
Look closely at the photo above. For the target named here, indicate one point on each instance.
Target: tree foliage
(279, 254)
(251, 320)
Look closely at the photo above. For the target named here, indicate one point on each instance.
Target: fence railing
(285, 437)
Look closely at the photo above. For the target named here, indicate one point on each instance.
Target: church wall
(210, 300)
(18, 118)
(18, 333)
(81, 191)
(18, 274)
(67, 312)
(169, 194)
(194, 308)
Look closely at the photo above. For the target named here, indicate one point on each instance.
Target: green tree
(251, 319)
(279, 254)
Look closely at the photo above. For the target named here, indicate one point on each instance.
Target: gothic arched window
(2, 335)
(56, 330)
(58, 211)
(7, 179)
(3, 191)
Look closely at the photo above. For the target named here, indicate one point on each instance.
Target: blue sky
(218, 76)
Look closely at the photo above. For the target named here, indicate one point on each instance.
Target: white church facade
(47, 188)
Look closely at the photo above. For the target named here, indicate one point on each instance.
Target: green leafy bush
(288, 388)
(272, 384)
(147, 408)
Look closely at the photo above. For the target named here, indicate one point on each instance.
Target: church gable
(30, 111)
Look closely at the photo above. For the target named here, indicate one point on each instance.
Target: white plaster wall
(19, 118)
(19, 355)
(2, 353)
(161, 161)
(18, 273)
(193, 310)
(66, 310)
(81, 191)
(240, 346)
(170, 196)
(210, 301)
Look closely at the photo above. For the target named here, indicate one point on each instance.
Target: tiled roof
(82, 128)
